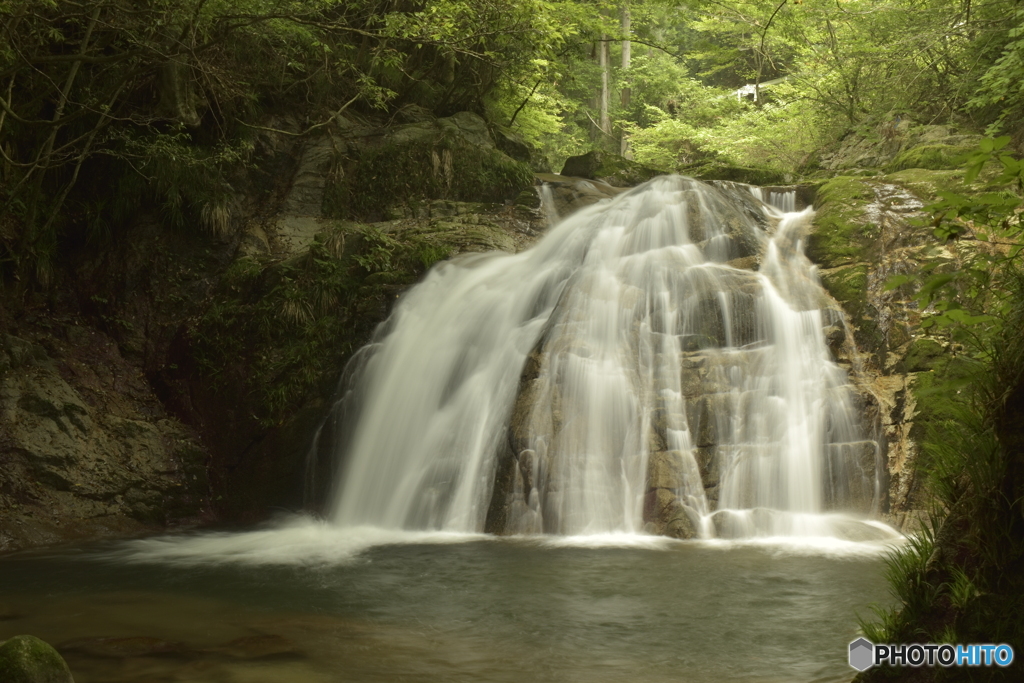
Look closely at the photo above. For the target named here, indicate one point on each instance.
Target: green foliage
(968, 299)
(162, 99)
(999, 92)
(967, 588)
(186, 182)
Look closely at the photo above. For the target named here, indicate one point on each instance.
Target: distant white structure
(751, 89)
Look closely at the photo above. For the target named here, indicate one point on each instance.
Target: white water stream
(654, 340)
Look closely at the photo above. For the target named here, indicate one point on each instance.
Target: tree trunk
(625, 149)
(604, 61)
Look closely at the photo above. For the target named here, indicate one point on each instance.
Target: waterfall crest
(631, 372)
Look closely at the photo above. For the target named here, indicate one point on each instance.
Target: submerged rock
(120, 648)
(27, 659)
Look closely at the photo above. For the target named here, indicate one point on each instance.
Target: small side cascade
(547, 204)
(630, 373)
(784, 201)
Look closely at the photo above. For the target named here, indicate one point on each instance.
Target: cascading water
(630, 372)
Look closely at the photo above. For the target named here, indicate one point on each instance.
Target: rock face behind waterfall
(657, 363)
(176, 376)
(724, 342)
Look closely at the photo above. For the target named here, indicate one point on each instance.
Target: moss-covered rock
(925, 354)
(613, 169)
(927, 183)
(849, 286)
(898, 144)
(27, 659)
(453, 158)
(934, 157)
(842, 235)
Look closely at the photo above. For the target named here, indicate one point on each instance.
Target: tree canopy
(108, 105)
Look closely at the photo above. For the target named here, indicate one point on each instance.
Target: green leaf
(896, 281)
(933, 283)
(964, 318)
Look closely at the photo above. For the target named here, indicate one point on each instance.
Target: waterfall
(783, 201)
(631, 372)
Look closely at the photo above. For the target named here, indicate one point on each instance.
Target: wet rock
(570, 194)
(27, 659)
(718, 170)
(666, 470)
(667, 515)
(854, 476)
(702, 415)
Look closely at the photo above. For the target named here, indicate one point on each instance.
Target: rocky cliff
(178, 377)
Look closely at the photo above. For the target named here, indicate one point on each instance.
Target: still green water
(230, 608)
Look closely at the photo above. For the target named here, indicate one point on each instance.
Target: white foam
(604, 540)
(296, 541)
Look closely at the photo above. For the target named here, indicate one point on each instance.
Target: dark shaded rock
(86, 447)
(517, 148)
(513, 475)
(925, 354)
(452, 158)
(716, 170)
(613, 169)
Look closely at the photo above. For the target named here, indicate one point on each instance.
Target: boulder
(900, 144)
(27, 659)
